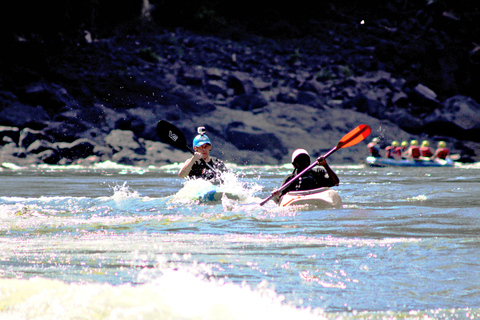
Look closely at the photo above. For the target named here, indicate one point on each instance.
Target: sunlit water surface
(118, 242)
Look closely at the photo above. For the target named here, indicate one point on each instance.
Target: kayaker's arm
(331, 174)
(183, 173)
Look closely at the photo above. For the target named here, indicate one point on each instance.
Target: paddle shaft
(289, 182)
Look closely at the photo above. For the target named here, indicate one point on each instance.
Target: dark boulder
(17, 114)
(39, 146)
(251, 138)
(28, 136)
(361, 103)
(49, 156)
(9, 134)
(191, 75)
(458, 117)
(50, 96)
(81, 148)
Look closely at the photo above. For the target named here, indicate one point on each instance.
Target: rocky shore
(258, 98)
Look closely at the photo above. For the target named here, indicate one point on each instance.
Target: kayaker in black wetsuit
(374, 149)
(313, 179)
(194, 167)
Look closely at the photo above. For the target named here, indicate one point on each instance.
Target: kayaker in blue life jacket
(194, 167)
(313, 179)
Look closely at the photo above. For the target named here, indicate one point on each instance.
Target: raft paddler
(209, 168)
(393, 151)
(414, 151)
(425, 149)
(315, 178)
(442, 151)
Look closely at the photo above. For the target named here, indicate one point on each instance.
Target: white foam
(178, 293)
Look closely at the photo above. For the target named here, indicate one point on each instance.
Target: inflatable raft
(386, 162)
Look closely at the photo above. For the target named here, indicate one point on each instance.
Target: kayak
(215, 193)
(386, 162)
(203, 191)
(322, 198)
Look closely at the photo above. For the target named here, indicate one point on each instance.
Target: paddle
(171, 135)
(348, 140)
(455, 157)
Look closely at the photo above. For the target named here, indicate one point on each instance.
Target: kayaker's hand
(276, 196)
(196, 156)
(321, 161)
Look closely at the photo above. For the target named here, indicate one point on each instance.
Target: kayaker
(425, 150)
(442, 151)
(413, 151)
(404, 149)
(194, 167)
(393, 151)
(315, 178)
(374, 148)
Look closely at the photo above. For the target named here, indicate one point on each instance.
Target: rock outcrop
(259, 100)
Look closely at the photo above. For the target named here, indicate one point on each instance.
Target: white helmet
(298, 152)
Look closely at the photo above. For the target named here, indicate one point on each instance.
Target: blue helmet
(200, 140)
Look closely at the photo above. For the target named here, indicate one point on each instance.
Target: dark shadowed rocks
(258, 99)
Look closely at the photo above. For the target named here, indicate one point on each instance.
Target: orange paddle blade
(354, 136)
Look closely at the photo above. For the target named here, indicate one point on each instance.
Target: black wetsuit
(201, 170)
(312, 179)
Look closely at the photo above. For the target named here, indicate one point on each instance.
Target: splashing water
(124, 192)
(194, 190)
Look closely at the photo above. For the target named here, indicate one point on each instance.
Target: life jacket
(390, 152)
(312, 179)
(426, 152)
(442, 153)
(397, 152)
(414, 152)
(201, 170)
(373, 149)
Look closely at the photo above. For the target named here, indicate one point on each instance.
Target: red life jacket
(393, 152)
(414, 152)
(397, 152)
(390, 152)
(442, 153)
(426, 152)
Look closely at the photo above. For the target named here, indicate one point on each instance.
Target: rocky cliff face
(259, 99)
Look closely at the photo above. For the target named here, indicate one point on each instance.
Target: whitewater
(108, 241)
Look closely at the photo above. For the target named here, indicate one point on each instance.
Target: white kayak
(321, 198)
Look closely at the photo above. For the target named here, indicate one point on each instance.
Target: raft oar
(171, 135)
(348, 140)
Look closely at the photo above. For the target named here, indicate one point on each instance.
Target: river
(119, 242)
